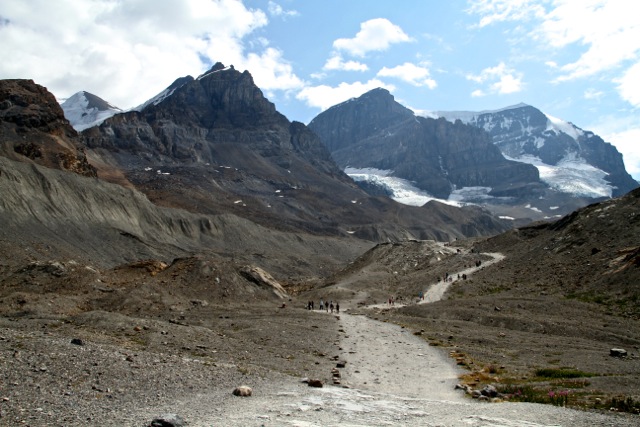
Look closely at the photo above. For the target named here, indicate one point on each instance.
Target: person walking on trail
(337, 307)
(321, 305)
(331, 306)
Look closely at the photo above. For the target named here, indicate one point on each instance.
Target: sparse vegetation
(562, 373)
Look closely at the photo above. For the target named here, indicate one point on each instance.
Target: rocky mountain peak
(358, 118)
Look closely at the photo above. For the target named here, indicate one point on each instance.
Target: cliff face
(33, 129)
(374, 131)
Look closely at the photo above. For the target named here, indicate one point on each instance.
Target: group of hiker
(327, 306)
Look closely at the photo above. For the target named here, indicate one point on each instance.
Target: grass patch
(623, 404)
(533, 394)
(562, 373)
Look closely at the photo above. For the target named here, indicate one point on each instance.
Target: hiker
(337, 307)
(321, 305)
(331, 306)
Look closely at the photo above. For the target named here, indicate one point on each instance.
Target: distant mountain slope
(516, 162)
(215, 144)
(570, 159)
(84, 110)
(374, 131)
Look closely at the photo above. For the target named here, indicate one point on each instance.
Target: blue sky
(578, 60)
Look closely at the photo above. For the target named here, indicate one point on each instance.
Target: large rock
(264, 280)
(33, 129)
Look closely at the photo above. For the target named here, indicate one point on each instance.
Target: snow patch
(401, 190)
(571, 175)
(558, 125)
(83, 114)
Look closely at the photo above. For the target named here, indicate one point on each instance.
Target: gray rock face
(375, 131)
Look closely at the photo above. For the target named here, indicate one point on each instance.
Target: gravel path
(393, 378)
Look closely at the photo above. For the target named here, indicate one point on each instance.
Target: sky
(578, 60)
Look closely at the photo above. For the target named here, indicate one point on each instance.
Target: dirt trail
(391, 377)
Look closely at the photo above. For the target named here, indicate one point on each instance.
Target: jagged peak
(218, 66)
(377, 93)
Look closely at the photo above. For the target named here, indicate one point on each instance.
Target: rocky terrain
(375, 131)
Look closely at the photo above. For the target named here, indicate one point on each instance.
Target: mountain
(215, 144)
(374, 131)
(388, 149)
(570, 159)
(84, 110)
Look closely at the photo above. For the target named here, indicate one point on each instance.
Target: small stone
(243, 391)
(77, 341)
(315, 383)
(168, 420)
(489, 391)
(618, 352)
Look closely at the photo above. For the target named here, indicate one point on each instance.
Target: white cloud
(374, 35)
(500, 80)
(410, 73)
(627, 142)
(592, 93)
(128, 51)
(629, 85)
(276, 10)
(493, 11)
(337, 63)
(270, 71)
(623, 131)
(604, 33)
(324, 96)
(477, 93)
(609, 30)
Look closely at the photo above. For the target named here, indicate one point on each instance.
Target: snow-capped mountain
(569, 159)
(517, 162)
(84, 110)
